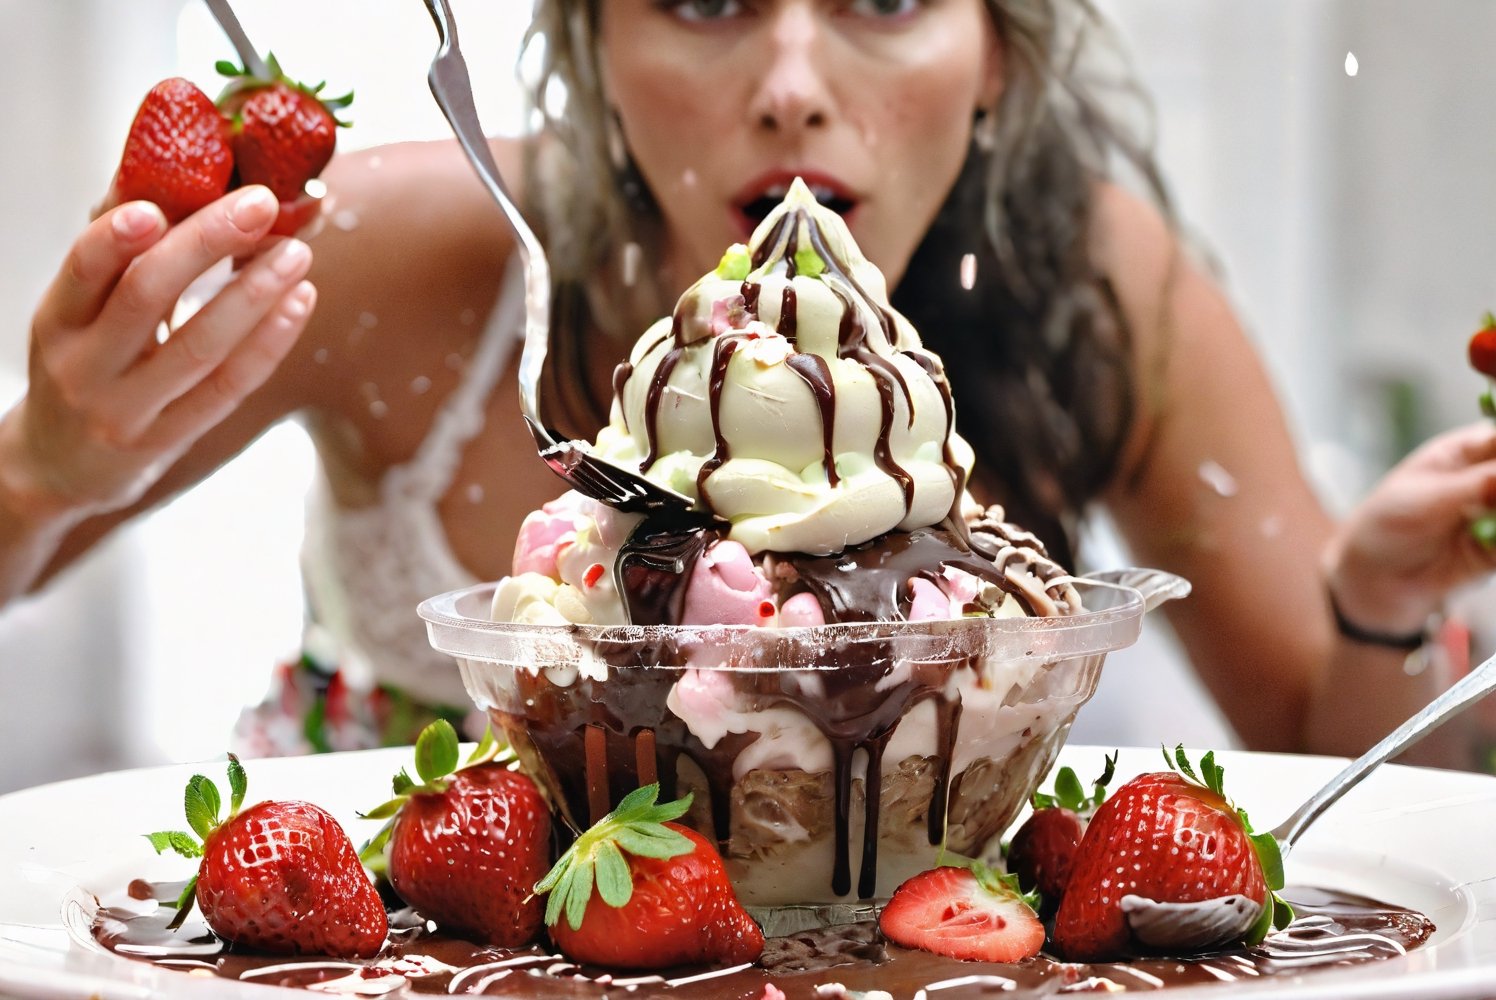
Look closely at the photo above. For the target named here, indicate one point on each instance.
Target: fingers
(1458, 448)
(197, 349)
(96, 261)
(229, 227)
(244, 370)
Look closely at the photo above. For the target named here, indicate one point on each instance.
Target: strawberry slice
(970, 913)
(281, 876)
(464, 846)
(669, 902)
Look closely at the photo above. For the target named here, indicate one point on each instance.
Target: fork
(572, 460)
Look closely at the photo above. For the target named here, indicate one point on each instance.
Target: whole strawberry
(1482, 353)
(1170, 838)
(971, 913)
(280, 876)
(667, 903)
(465, 846)
(177, 153)
(1042, 851)
(283, 132)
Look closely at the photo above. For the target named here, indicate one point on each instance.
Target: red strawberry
(177, 151)
(1169, 838)
(280, 876)
(1483, 347)
(968, 913)
(465, 846)
(1043, 849)
(284, 132)
(668, 903)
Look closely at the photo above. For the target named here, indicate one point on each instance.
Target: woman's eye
(884, 8)
(705, 10)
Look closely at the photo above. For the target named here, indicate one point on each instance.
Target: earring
(618, 151)
(625, 173)
(984, 130)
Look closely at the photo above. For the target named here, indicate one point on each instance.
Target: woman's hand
(108, 408)
(1399, 553)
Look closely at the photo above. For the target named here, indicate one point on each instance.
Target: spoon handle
(224, 15)
(1471, 688)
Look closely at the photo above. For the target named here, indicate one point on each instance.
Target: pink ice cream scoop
(726, 588)
(544, 533)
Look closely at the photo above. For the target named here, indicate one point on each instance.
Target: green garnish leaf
(175, 840)
(202, 802)
(1487, 404)
(436, 751)
(735, 263)
(1263, 924)
(227, 68)
(403, 782)
(1282, 912)
(1107, 773)
(614, 882)
(485, 748)
(808, 262)
(578, 892)
(238, 784)
(384, 810)
(373, 851)
(184, 904)
(1068, 790)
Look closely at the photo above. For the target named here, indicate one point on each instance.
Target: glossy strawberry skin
(177, 153)
(1483, 351)
(1042, 852)
(945, 911)
(683, 912)
(284, 877)
(469, 857)
(282, 138)
(1159, 837)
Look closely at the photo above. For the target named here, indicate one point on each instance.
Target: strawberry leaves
(1277, 913)
(1069, 793)
(201, 804)
(596, 859)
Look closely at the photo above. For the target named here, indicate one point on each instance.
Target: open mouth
(755, 208)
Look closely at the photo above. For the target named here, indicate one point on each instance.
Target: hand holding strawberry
(281, 876)
(667, 903)
(1170, 837)
(1042, 851)
(969, 912)
(466, 844)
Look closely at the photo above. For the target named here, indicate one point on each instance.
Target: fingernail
(135, 220)
(254, 209)
(299, 303)
(290, 258)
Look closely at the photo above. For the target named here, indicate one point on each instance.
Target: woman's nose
(792, 93)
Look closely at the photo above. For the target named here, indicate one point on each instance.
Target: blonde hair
(1048, 339)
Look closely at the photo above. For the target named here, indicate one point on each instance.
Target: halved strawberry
(177, 152)
(1169, 837)
(281, 876)
(1043, 849)
(668, 903)
(970, 913)
(466, 844)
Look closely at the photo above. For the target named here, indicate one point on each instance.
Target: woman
(1094, 360)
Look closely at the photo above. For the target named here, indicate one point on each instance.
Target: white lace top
(365, 569)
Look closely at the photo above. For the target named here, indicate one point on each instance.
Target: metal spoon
(229, 22)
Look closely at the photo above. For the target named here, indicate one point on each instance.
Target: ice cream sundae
(829, 649)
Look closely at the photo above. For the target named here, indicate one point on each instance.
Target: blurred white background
(1334, 154)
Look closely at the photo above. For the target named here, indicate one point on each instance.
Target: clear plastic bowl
(784, 737)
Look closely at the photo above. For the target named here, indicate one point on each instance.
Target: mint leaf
(202, 802)
(175, 840)
(238, 784)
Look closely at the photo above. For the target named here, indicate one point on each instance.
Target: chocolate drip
(817, 374)
(645, 764)
(867, 878)
(850, 338)
(841, 769)
(598, 804)
(788, 325)
(750, 292)
(722, 353)
(652, 403)
(947, 721)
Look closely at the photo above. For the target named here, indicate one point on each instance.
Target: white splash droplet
(475, 493)
(1217, 478)
(419, 385)
(378, 409)
(346, 220)
(316, 187)
(968, 271)
(321, 356)
(1352, 64)
(688, 178)
(467, 317)
(368, 320)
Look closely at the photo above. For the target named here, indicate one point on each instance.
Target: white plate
(1418, 838)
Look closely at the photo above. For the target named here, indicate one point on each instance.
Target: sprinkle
(594, 573)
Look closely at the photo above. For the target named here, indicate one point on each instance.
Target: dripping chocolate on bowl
(829, 761)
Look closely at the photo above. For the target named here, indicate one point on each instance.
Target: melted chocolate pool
(1332, 929)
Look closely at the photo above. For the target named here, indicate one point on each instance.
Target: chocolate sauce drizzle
(1332, 930)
